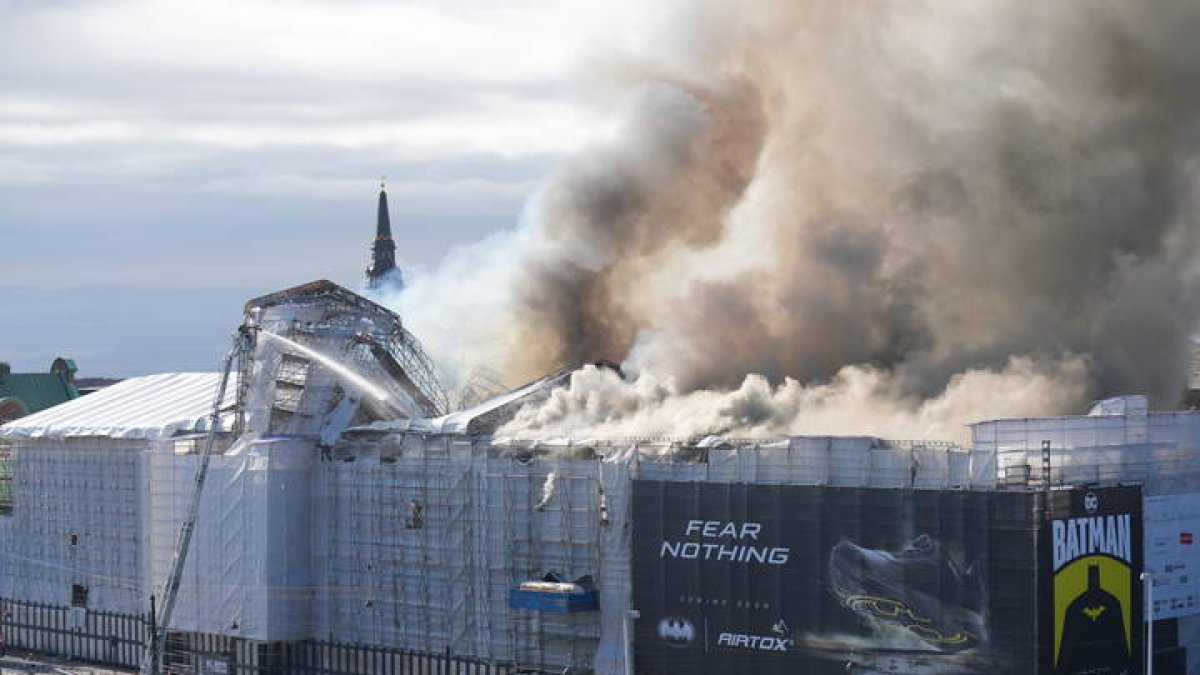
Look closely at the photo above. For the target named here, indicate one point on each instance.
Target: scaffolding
(854, 461)
(352, 330)
(1161, 451)
(410, 542)
(426, 537)
(413, 543)
(423, 537)
(86, 528)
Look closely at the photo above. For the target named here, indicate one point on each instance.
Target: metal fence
(106, 638)
(117, 640)
(316, 658)
(204, 654)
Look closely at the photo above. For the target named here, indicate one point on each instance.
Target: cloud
(177, 145)
(415, 76)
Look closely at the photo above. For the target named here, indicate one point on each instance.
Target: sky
(163, 162)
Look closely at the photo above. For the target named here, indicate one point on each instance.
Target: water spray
(339, 369)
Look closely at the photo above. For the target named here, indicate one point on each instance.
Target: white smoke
(859, 400)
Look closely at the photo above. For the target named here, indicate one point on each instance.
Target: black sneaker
(921, 589)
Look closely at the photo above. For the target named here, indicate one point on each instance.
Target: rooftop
(152, 406)
(38, 391)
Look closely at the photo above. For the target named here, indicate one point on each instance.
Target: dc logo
(676, 631)
(1091, 502)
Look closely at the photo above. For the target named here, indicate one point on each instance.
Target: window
(79, 595)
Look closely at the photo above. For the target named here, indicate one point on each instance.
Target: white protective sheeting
(821, 460)
(414, 540)
(247, 570)
(150, 407)
(615, 579)
(76, 521)
(419, 540)
(1161, 450)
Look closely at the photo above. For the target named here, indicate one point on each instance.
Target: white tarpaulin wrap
(1160, 450)
(247, 571)
(77, 516)
(154, 406)
(419, 541)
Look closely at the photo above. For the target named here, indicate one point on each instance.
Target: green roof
(37, 391)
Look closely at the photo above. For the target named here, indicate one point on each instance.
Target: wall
(76, 520)
(247, 571)
(297, 541)
(418, 543)
(1160, 451)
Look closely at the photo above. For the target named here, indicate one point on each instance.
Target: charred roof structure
(485, 417)
(323, 358)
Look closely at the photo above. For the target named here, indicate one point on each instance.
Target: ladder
(155, 643)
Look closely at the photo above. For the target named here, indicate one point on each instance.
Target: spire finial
(382, 182)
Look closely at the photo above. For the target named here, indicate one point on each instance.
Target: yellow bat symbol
(1094, 613)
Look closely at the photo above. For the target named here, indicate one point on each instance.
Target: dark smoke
(664, 189)
(920, 191)
(1022, 188)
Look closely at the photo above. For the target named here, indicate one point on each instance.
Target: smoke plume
(895, 216)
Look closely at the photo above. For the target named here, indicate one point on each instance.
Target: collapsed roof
(483, 419)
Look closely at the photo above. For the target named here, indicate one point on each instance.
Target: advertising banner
(1092, 601)
(1173, 554)
(762, 579)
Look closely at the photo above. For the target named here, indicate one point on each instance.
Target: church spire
(383, 250)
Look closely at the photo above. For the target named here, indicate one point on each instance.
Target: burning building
(350, 522)
(896, 215)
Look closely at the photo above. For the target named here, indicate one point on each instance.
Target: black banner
(1091, 556)
(735, 578)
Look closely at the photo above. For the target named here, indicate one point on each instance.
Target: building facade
(340, 533)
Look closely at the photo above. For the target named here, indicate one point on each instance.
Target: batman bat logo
(676, 631)
(1094, 613)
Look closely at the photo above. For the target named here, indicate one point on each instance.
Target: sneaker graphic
(920, 589)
